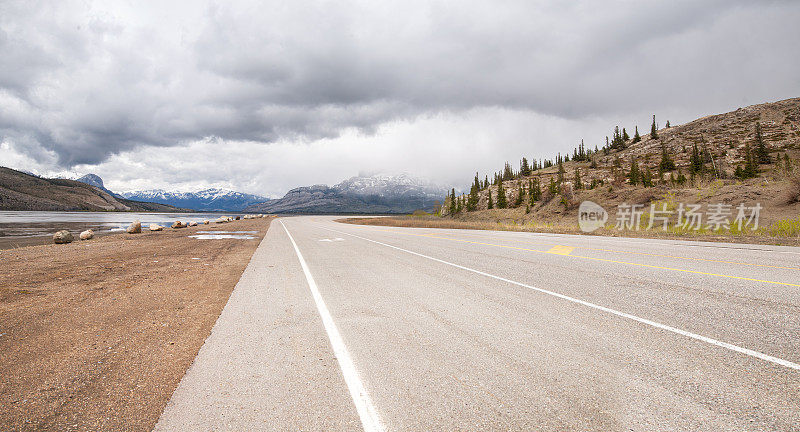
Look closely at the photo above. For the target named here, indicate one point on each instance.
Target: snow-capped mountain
(398, 186)
(205, 200)
(361, 194)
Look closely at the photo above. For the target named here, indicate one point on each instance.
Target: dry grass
(783, 233)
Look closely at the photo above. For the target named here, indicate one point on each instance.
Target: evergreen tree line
(699, 160)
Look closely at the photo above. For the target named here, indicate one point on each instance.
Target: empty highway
(347, 327)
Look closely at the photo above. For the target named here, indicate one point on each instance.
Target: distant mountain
(205, 200)
(22, 191)
(96, 181)
(360, 194)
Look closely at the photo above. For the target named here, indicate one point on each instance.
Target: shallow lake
(42, 223)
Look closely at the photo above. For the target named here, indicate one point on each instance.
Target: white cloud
(264, 96)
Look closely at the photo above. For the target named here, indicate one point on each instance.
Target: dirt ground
(96, 335)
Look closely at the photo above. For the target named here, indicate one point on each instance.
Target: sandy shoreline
(96, 335)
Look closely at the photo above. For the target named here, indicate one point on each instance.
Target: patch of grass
(783, 228)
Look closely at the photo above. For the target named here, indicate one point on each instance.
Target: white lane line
(749, 352)
(612, 240)
(366, 411)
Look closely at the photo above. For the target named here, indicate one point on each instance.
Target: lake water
(41, 223)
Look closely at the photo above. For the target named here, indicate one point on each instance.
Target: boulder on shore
(135, 227)
(238, 217)
(206, 222)
(62, 237)
(222, 219)
(178, 224)
(86, 235)
(156, 227)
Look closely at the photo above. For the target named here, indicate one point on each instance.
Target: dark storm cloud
(90, 81)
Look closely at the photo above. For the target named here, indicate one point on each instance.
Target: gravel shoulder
(96, 335)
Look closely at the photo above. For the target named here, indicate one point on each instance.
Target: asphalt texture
(349, 327)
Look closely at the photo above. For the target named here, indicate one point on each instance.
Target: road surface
(348, 327)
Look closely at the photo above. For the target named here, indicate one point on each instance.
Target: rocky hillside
(21, 191)
(360, 194)
(703, 159)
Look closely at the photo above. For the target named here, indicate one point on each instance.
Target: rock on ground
(62, 237)
(87, 235)
(178, 224)
(135, 227)
(156, 227)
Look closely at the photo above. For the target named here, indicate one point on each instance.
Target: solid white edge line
(366, 411)
(746, 351)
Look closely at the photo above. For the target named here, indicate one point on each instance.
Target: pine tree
(472, 200)
(531, 200)
(561, 172)
(524, 169)
(647, 177)
(653, 132)
(508, 172)
(634, 176)
(762, 155)
(636, 136)
(593, 164)
(667, 126)
(552, 187)
(666, 164)
(578, 183)
(625, 135)
(490, 204)
(536, 192)
(452, 209)
(750, 164)
(617, 141)
(501, 196)
(695, 161)
(680, 179)
(520, 196)
(787, 163)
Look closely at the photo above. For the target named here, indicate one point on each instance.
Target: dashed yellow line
(599, 259)
(561, 250)
(661, 255)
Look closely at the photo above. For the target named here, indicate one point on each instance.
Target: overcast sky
(263, 96)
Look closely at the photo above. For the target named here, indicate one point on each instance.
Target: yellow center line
(598, 259)
(657, 255)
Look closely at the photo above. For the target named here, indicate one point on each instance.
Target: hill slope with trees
(750, 154)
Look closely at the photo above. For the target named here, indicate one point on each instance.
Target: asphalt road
(347, 327)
